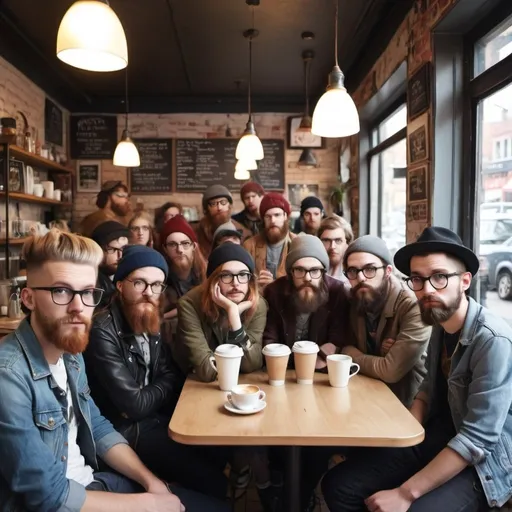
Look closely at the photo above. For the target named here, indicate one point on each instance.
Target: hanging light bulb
(246, 165)
(91, 37)
(242, 175)
(249, 146)
(126, 153)
(335, 114)
(305, 122)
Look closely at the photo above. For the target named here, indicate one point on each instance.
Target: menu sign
(154, 175)
(93, 137)
(204, 162)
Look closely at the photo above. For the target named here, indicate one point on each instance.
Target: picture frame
(16, 175)
(418, 92)
(418, 139)
(418, 184)
(299, 140)
(88, 176)
(299, 191)
(418, 212)
(53, 123)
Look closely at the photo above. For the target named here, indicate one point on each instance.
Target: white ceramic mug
(38, 189)
(226, 362)
(48, 187)
(57, 194)
(338, 367)
(246, 397)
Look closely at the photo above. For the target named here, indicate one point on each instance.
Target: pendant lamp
(243, 167)
(249, 146)
(305, 122)
(91, 37)
(126, 153)
(307, 159)
(242, 175)
(335, 114)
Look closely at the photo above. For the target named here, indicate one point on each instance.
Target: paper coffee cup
(226, 362)
(276, 360)
(304, 354)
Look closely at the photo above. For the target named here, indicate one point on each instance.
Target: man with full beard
(251, 194)
(269, 248)
(217, 207)
(464, 403)
(135, 382)
(52, 433)
(307, 304)
(390, 340)
(113, 202)
(112, 237)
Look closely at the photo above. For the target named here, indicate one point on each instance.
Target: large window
(387, 165)
(491, 99)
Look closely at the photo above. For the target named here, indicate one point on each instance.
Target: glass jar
(8, 126)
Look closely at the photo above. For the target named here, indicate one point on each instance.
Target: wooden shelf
(36, 160)
(27, 198)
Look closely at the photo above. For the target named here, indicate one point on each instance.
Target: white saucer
(234, 410)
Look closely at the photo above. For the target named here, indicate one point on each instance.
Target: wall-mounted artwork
(418, 141)
(301, 140)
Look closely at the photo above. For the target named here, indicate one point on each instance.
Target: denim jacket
(480, 398)
(34, 431)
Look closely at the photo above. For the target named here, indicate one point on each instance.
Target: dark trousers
(369, 470)
(193, 501)
(199, 468)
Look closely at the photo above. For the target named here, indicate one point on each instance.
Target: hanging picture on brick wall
(418, 92)
(301, 140)
(417, 184)
(88, 176)
(53, 124)
(298, 192)
(417, 212)
(418, 141)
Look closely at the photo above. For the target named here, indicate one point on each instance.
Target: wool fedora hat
(436, 239)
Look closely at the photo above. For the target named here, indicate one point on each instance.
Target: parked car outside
(499, 270)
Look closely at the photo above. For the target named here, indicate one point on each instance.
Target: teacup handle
(213, 364)
(351, 374)
(262, 395)
(230, 400)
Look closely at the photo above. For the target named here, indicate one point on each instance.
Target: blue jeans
(193, 501)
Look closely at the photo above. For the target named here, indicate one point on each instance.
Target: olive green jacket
(197, 338)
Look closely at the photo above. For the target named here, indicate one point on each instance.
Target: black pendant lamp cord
(306, 78)
(126, 99)
(336, 33)
(250, 70)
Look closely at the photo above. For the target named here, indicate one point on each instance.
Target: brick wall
(214, 126)
(412, 43)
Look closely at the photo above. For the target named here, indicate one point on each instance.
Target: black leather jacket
(116, 371)
(106, 284)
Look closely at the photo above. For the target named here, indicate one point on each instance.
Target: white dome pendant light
(335, 114)
(126, 153)
(243, 167)
(249, 146)
(91, 37)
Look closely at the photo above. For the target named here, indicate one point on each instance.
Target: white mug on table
(338, 368)
(226, 362)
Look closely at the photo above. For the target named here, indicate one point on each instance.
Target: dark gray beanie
(214, 191)
(370, 244)
(307, 246)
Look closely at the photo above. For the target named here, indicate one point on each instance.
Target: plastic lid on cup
(305, 347)
(229, 350)
(276, 350)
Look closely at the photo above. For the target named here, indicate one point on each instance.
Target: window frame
(380, 147)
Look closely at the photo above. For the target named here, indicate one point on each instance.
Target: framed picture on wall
(418, 140)
(88, 176)
(417, 184)
(301, 140)
(298, 192)
(418, 92)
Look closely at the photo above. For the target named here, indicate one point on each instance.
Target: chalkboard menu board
(204, 162)
(93, 137)
(155, 172)
(53, 126)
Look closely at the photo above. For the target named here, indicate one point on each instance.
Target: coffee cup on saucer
(246, 397)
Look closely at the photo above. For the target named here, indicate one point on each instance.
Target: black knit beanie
(229, 252)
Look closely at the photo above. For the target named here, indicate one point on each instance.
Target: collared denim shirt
(480, 398)
(34, 431)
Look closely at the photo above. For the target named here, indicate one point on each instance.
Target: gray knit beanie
(214, 191)
(307, 246)
(370, 244)
(226, 229)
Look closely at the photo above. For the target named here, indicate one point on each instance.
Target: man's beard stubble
(274, 234)
(182, 264)
(218, 218)
(73, 342)
(441, 312)
(373, 300)
(308, 298)
(142, 315)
